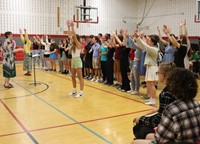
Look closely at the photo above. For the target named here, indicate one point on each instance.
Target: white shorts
(151, 73)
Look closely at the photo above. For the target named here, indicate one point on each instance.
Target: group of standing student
(178, 117)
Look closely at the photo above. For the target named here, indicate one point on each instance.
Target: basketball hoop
(88, 20)
(196, 20)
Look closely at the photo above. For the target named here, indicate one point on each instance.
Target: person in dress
(9, 70)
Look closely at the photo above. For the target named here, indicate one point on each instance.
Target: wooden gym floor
(45, 114)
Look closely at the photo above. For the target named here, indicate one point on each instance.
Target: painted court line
(103, 90)
(19, 122)
(66, 115)
(70, 124)
(94, 120)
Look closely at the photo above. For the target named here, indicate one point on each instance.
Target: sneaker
(145, 97)
(147, 100)
(86, 77)
(130, 91)
(135, 93)
(72, 93)
(90, 78)
(123, 90)
(93, 79)
(79, 95)
(97, 81)
(151, 102)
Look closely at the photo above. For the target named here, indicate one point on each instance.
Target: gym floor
(45, 114)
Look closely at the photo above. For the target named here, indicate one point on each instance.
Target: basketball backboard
(86, 14)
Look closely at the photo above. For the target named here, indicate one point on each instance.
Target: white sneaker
(130, 91)
(135, 93)
(151, 102)
(97, 81)
(80, 94)
(93, 79)
(72, 93)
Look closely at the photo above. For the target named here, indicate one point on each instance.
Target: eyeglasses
(157, 73)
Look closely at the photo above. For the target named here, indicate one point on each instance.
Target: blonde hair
(166, 67)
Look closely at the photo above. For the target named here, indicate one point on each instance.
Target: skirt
(9, 72)
(151, 73)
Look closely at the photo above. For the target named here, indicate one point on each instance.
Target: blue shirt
(103, 51)
(169, 54)
(129, 42)
(95, 49)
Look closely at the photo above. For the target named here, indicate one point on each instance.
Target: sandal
(10, 85)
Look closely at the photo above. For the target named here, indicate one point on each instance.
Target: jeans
(44, 64)
(36, 59)
(135, 76)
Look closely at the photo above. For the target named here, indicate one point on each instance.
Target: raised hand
(136, 34)
(181, 24)
(158, 29)
(184, 22)
(68, 23)
(24, 30)
(20, 30)
(166, 29)
(72, 23)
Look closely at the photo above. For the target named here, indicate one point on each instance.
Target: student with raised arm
(9, 70)
(151, 64)
(179, 45)
(186, 59)
(169, 49)
(36, 51)
(135, 71)
(27, 65)
(46, 52)
(124, 60)
(76, 60)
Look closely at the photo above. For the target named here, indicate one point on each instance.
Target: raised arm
(35, 38)
(161, 39)
(180, 28)
(121, 43)
(171, 38)
(186, 35)
(26, 35)
(21, 36)
(42, 41)
(78, 44)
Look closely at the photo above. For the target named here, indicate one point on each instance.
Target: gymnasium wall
(40, 16)
(169, 12)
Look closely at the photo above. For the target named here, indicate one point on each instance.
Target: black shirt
(88, 56)
(35, 46)
(110, 53)
(124, 53)
(179, 56)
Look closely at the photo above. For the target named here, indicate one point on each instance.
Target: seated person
(145, 124)
(180, 121)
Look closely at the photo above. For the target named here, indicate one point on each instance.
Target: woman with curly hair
(180, 121)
